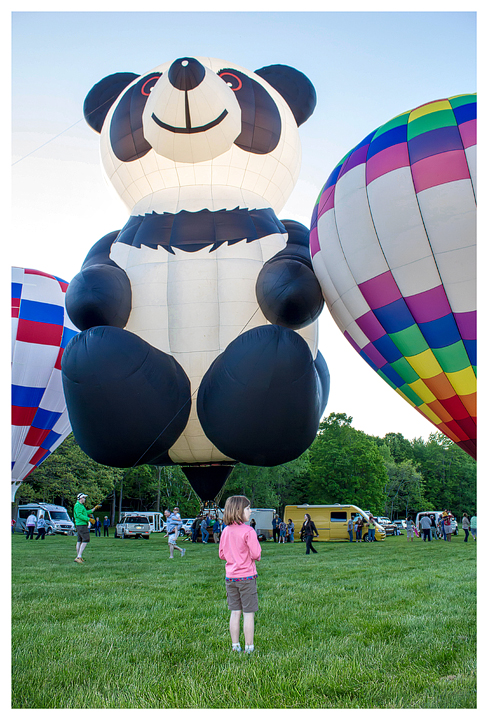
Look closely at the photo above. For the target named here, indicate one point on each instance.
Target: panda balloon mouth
(188, 129)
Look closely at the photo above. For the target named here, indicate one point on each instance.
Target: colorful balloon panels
(393, 242)
(41, 330)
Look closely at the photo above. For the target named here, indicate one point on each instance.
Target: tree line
(389, 476)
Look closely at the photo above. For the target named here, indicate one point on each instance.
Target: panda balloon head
(237, 130)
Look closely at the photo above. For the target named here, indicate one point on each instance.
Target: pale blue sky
(366, 67)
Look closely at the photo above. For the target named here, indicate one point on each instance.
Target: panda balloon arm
(100, 294)
(287, 289)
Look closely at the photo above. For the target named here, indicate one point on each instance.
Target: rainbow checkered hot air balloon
(41, 329)
(393, 244)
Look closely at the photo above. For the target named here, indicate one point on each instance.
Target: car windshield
(58, 515)
(136, 519)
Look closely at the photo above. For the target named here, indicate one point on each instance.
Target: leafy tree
(64, 474)
(405, 488)
(449, 474)
(346, 466)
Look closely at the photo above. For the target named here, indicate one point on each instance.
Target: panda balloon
(199, 317)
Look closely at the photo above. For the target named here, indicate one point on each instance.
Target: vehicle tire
(122, 535)
(71, 533)
(146, 537)
(49, 531)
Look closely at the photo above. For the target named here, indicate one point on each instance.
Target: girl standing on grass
(239, 547)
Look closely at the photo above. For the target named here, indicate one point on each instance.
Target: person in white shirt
(30, 525)
(425, 524)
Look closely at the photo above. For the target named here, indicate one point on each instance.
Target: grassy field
(388, 625)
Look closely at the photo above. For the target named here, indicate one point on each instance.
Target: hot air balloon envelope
(41, 329)
(393, 243)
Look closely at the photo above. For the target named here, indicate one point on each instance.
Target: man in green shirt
(81, 517)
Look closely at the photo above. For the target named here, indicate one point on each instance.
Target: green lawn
(388, 625)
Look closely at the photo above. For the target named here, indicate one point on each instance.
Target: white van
(56, 517)
(263, 518)
(155, 519)
(438, 516)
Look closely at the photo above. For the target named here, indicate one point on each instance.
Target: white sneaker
(183, 553)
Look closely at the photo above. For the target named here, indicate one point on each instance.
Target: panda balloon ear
(294, 87)
(102, 96)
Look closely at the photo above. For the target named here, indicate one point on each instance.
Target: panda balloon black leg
(127, 401)
(262, 378)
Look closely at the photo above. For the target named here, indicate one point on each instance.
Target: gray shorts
(83, 533)
(242, 595)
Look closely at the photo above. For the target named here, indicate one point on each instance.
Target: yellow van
(330, 520)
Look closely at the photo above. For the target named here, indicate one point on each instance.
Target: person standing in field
(203, 528)
(474, 523)
(239, 547)
(275, 524)
(359, 529)
(409, 524)
(106, 525)
(216, 530)
(466, 526)
(41, 527)
(425, 525)
(282, 528)
(350, 527)
(309, 531)
(30, 526)
(371, 529)
(173, 524)
(448, 526)
(81, 516)
(291, 531)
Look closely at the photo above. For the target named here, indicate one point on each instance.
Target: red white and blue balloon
(41, 329)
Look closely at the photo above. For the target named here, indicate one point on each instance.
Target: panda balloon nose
(186, 73)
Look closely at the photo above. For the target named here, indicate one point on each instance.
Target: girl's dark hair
(234, 509)
(308, 516)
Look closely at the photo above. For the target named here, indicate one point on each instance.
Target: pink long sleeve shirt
(239, 547)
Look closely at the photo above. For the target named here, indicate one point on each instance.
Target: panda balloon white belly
(191, 306)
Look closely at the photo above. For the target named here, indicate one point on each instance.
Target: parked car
(437, 514)
(386, 524)
(330, 520)
(56, 517)
(134, 526)
(401, 525)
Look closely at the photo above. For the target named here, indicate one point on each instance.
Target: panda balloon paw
(178, 361)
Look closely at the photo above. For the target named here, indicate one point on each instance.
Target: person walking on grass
(291, 531)
(448, 526)
(309, 531)
(203, 528)
(466, 526)
(81, 516)
(239, 547)
(425, 525)
(173, 524)
(216, 530)
(41, 527)
(282, 527)
(30, 526)
(358, 525)
(106, 525)
(409, 524)
(474, 524)
(371, 529)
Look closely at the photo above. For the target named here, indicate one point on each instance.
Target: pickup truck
(133, 526)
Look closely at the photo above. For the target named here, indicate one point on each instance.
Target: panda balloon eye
(149, 84)
(232, 80)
